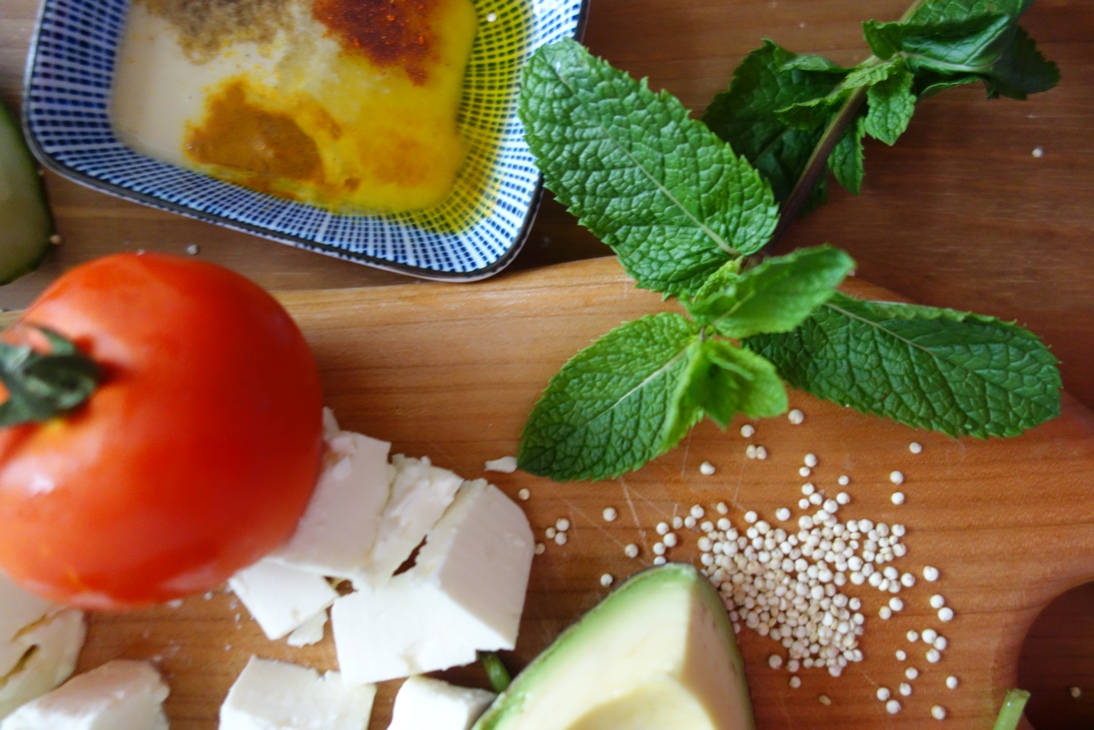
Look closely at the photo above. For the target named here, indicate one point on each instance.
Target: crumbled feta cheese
(271, 694)
(280, 597)
(431, 703)
(119, 695)
(49, 650)
(506, 464)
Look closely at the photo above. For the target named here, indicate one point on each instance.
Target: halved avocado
(25, 221)
(658, 652)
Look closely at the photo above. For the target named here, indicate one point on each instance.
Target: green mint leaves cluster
(688, 204)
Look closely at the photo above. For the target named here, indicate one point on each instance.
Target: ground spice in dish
(238, 135)
(390, 33)
(207, 26)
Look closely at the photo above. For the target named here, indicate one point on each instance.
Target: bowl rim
(48, 161)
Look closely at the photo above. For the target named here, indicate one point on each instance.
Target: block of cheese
(280, 597)
(273, 695)
(18, 609)
(119, 695)
(465, 593)
(336, 533)
(423, 702)
(310, 632)
(49, 649)
(420, 493)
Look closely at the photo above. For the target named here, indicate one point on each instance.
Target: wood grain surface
(451, 373)
(959, 213)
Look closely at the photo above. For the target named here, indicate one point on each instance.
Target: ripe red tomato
(196, 455)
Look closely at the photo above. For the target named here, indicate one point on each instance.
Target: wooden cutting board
(450, 372)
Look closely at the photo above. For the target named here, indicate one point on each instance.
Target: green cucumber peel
(689, 206)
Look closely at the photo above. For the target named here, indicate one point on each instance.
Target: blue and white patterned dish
(65, 112)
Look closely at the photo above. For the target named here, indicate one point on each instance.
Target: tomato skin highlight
(196, 455)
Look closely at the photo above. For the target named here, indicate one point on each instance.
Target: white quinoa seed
(896, 477)
(659, 560)
(606, 580)
(898, 498)
(945, 614)
(782, 514)
(952, 682)
(810, 460)
(824, 700)
(706, 468)
(775, 661)
(901, 655)
(933, 656)
(892, 707)
(751, 517)
(562, 524)
(804, 471)
(1075, 692)
(524, 495)
(930, 573)
(670, 540)
(662, 528)
(658, 548)
(911, 672)
(540, 548)
(609, 514)
(915, 447)
(937, 601)
(722, 507)
(843, 480)
(928, 636)
(795, 682)
(883, 693)
(560, 538)
(550, 532)
(940, 643)
(912, 635)
(938, 712)
(761, 453)
(697, 511)
(795, 416)
(905, 689)
(631, 551)
(748, 430)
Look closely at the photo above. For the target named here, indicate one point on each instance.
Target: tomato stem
(44, 385)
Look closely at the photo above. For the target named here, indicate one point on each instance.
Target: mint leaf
(747, 115)
(721, 381)
(777, 295)
(955, 372)
(890, 103)
(605, 412)
(672, 200)
(847, 159)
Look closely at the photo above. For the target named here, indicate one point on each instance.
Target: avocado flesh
(27, 223)
(658, 652)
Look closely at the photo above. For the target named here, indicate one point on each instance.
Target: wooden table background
(959, 213)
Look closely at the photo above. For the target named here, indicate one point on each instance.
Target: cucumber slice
(25, 221)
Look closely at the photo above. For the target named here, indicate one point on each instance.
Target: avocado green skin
(506, 710)
(25, 240)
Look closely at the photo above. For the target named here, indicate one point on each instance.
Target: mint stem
(818, 161)
(495, 671)
(1011, 713)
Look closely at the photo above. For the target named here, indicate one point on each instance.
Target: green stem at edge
(495, 671)
(1011, 712)
(818, 161)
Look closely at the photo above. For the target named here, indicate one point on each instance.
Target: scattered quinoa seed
(540, 548)
(938, 712)
(795, 416)
(562, 524)
(915, 447)
(631, 551)
(883, 693)
(930, 573)
(844, 480)
(905, 689)
(795, 682)
(748, 430)
(610, 514)
(775, 661)
(606, 580)
(824, 700)
(761, 453)
(945, 614)
(911, 672)
(524, 495)
(192, 249)
(892, 707)
(937, 601)
(560, 538)
(952, 682)
(901, 655)
(706, 468)
(896, 477)
(934, 656)
(898, 497)
(1038, 152)
(1075, 692)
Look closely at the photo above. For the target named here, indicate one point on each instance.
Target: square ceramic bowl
(68, 88)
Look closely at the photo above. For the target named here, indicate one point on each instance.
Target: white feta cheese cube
(119, 695)
(464, 594)
(272, 695)
(50, 647)
(479, 554)
(338, 528)
(423, 702)
(281, 597)
(18, 608)
(420, 493)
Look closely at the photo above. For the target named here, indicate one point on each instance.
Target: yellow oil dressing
(336, 111)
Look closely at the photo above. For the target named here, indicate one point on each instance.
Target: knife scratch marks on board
(634, 512)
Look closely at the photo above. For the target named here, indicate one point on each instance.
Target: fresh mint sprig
(687, 211)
